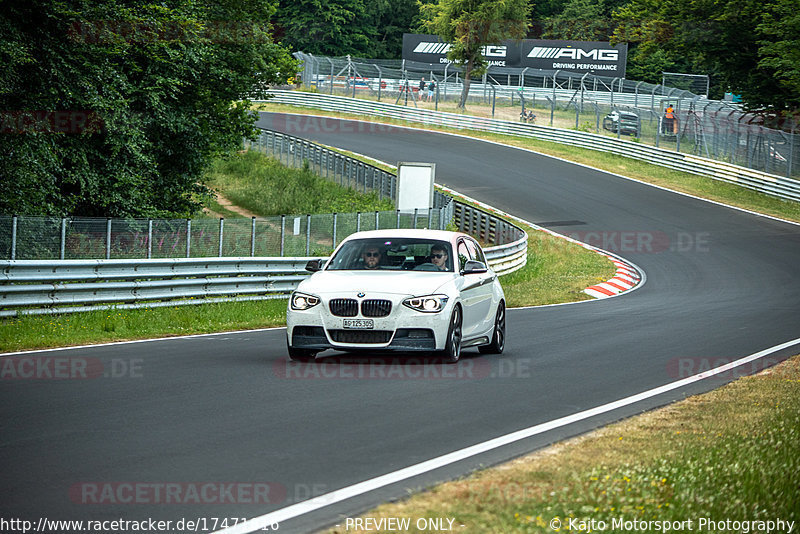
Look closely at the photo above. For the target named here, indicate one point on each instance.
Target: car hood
(387, 282)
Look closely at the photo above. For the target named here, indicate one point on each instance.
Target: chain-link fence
(667, 117)
(37, 238)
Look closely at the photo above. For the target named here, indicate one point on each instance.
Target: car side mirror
(474, 267)
(314, 266)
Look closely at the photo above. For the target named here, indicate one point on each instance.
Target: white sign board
(415, 186)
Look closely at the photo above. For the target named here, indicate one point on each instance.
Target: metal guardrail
(54, 286)
(778, 186)
(34, 287)
(31, 287)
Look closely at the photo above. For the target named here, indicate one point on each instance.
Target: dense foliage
(363, 28)
(114, 108)
(750, 47)
(472, 24)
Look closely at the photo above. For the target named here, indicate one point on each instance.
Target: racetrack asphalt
(206, 411)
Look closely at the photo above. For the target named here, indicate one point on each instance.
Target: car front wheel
(300, 355)
(452, 352)
(499, 335)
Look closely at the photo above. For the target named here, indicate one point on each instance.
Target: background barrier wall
(715, 129)
(781, 187)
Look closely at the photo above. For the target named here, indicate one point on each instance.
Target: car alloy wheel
(452, 351)
(499, 335)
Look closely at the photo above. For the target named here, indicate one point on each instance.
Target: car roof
(439, 235)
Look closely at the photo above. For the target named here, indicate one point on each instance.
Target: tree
(746, 46)
(472, 24)
(779, 52)
(371, 29)
(580, 20)
(325, 27)
(115, 108)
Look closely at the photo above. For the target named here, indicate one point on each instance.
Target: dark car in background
(623, 122)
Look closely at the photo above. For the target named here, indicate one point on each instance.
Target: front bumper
(402, 339)
(403, 329)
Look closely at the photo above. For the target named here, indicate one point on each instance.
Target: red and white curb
(625, 279)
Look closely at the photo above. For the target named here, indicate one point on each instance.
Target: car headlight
(427, 304)
(303, 301)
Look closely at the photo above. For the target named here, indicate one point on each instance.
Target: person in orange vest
(670, 125)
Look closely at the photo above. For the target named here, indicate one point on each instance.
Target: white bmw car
(399, 290)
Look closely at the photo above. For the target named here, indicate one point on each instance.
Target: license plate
(359, 324)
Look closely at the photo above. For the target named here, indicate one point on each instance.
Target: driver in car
(439, 257)
(372, 257)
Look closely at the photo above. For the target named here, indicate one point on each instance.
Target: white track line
(305, 507)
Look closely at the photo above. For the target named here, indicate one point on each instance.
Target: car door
(484, 312)
(474, 291)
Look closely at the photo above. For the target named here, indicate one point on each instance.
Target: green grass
(264, 186)
(732, 454)
(557, 271)
(100, 326)
(638, 170)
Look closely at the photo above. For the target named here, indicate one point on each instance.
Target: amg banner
(595, 57)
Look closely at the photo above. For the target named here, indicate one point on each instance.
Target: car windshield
(393, 254)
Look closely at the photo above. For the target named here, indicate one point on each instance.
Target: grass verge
(731, 454)
(679, 181)
(264, 186)
(102, 326)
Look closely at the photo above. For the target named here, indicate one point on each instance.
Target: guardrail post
(380, 81)
(308, 234)
(188, 238)
(430, 218)
(791, 150)
(221, 229)
(553, 103)
(14, 237)
(415, 218)
(334, 229)
(108, 238)
(253, 237)
(398, 218)
(63, 238)
(149, 238)
(283, 232)
(377, 220)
